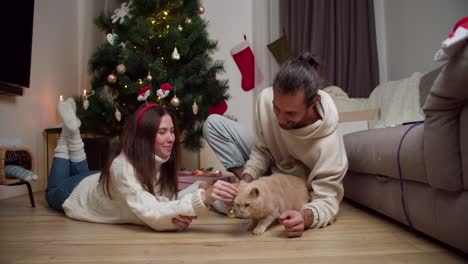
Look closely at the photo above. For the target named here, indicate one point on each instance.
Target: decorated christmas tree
(157, 51)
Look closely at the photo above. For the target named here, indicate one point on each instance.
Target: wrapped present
(187, 178)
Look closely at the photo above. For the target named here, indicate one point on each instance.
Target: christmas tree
(156, 51)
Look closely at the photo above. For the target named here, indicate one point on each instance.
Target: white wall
(413, 31)
(228, 22)
(57, 68)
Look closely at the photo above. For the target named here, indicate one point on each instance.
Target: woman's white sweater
(130, 202)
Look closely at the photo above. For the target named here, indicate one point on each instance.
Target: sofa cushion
(425, 84)
(442, 108)
(375, 151)
(464, 144)
(440, 214)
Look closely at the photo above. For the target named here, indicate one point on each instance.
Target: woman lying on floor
(139, 183)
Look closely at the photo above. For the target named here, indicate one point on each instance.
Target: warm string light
(61, 98)
(84, 93)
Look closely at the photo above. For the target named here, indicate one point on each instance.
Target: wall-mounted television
(16, 30)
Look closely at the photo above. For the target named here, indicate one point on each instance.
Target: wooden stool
(19, 157)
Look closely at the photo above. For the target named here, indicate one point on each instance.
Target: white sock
(61, 151)
(67, 111)
(76, 147)
(72, 103)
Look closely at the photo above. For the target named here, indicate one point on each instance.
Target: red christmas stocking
(244, 58)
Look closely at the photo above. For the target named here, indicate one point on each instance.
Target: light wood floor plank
(41, 235)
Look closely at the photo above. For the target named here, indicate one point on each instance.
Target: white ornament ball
(118, 115)
(85, 104)
(112, 79)
(195, 108)
(200, 10)
(175, 54)
(121, 69)
(149, 78)
(175, 102)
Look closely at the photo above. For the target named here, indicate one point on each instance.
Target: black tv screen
(16, 29)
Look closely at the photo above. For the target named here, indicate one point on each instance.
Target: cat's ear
(254, 193)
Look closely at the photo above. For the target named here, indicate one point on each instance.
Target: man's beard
(288, 126)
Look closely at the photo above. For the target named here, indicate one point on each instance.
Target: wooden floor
(40, 235)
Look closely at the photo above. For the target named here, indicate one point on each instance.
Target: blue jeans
(64, 176)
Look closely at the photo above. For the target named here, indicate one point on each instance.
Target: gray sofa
(428, 161)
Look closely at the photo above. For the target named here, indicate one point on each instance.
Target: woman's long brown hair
(137, 143)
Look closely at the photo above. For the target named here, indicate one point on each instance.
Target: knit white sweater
(130, 202)
(318, 146)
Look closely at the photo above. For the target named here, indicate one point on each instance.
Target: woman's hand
(182, 222)
(222, 191)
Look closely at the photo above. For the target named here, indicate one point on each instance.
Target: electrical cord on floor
(403, 202)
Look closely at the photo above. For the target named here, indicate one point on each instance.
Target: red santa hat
(144, 92)
(166, 86)
(454, 42)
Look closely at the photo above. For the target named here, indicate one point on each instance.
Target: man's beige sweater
(318, 146)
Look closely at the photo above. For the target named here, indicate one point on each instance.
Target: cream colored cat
(267, 197)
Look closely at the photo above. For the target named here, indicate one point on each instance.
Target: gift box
(187, 178)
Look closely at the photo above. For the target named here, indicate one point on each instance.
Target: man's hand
(295, 222)
(182, 222)
(246, 177)
(222, 191)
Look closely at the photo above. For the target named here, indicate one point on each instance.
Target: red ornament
(166, 86)
(218, 108)
(144, 93)
(144, 89)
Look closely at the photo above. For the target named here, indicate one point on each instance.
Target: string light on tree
(180, 28)
(188, 20)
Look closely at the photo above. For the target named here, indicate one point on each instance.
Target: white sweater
(130, 202)
(318, 146)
